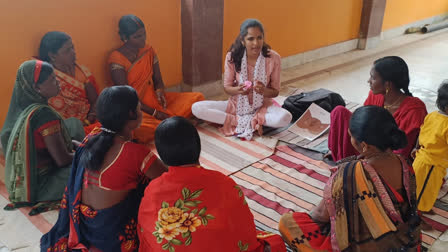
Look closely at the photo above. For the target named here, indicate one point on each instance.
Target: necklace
(133, 55)
(378, 155)
(397, 102)
(126, 139)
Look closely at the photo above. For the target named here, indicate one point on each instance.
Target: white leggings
(215, 112)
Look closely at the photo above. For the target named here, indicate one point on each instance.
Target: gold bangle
(154, 113)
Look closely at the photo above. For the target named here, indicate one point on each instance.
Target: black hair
(237, 49)
(442, 96)
(395, 70)
(51, 42)
(177, 142)
(45, 72)
(376, 126)
(115, 107)
(128, 25)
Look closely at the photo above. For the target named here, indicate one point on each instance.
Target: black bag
(326, 99)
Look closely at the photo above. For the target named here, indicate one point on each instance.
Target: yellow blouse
(433, 140)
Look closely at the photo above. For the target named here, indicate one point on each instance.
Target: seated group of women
(369, 203)
(109, 204)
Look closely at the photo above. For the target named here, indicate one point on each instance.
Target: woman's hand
(91, 117)
(160, 93)
(161, 115)
(236, 90)
(76, 144)
(414, 153)
(259, 88)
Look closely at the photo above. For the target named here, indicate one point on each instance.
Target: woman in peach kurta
(252, 78)
(136, 64)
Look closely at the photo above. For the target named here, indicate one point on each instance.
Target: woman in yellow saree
(136, 64)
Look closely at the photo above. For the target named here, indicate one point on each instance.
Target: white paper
(312, 124)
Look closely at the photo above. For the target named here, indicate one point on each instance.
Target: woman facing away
(109, 174)
(389, 88)
(79, 90)
(190, 208)
(251, 78)
(36, 142)
(136, 64)
(369, 204)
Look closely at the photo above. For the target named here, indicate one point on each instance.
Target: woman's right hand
(236, 90)
(244, 91)
(161, 115)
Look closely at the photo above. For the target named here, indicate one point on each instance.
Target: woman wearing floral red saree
(79, 90)
(100, 204)
(190, 208)
(370, 203)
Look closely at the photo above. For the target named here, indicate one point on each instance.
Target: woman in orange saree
(136, 64)
(79, 90)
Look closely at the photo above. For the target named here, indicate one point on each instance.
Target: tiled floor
(347, 74)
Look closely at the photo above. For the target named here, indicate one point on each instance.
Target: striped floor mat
(230, 154)
(290, 181)
(283, 182)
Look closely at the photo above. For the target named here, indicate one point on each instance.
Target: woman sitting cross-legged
(369, 204)
(251, 78)
(190, 208)
(100, 204)
(36, 141)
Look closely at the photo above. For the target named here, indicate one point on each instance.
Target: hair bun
(398, 139)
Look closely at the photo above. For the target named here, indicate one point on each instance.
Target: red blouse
(409, 117)
(125, 172)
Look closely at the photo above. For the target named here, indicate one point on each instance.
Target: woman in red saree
(389, 85)
(190, 208)
(136, 64)
(79, 90)
(109, 174)
(370, 203)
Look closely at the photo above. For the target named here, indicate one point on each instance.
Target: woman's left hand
(91, 117)
(259, 88)
(161, 97)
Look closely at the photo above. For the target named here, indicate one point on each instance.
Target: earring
(387, 91)
(364, 149)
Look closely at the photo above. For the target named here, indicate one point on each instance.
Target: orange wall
(295, 26)
(402, 12)
(93, 26)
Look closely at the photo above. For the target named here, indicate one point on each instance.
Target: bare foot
(426, 226)
(195, 121)
(259, 129)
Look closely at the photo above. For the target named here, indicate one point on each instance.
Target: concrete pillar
(202, 35)
(371, 23)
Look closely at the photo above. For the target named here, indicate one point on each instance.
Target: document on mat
(312, 124)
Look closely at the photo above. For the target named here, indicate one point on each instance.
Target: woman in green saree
(36, 142)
